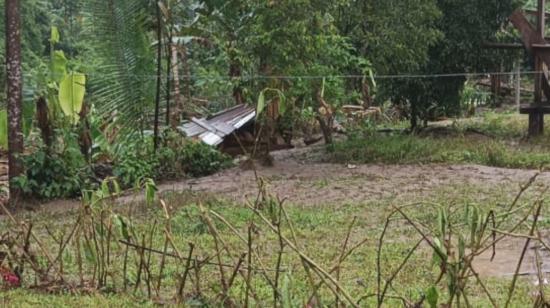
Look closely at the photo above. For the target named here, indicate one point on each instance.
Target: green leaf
(286, 291)
(105, 190)
(261, 104)
(442, 222)
(371, 76)
(150, 190)
(71, 95)
(461, 247)
(440, 254)
(122, 226)
(89, 253)
(58, 66)
(54, 36)
(432, 296)
(282, 102)
(4, 129)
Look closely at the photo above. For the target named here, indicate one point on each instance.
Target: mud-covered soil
(301, 179)
(506, 258)
(299, 176)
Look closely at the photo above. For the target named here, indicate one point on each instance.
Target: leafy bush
(133, 163)
(199, 159)
(177, 158)
(52, 175)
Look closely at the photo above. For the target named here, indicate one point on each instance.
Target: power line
(298, 77)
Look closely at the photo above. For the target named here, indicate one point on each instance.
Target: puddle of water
(508, 253)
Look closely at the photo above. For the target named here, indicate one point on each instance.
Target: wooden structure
(538, 47)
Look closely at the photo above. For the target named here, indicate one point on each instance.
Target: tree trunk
(187, 80)
(414, 116)
(325, 117)
(15, 90)
(175, 118)
(43, 121)
(235, 72)
(159, 76)
(168, 77)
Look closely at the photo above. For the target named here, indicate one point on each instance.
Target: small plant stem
(524, 251)
(183, 280)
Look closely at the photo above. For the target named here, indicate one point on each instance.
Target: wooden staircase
(538, 47)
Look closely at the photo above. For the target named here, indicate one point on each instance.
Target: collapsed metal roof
(212, 130)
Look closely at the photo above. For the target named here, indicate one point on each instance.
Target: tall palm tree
(123, 88)
(14, 92)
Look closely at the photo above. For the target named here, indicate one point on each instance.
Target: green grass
(494, 140)
(320, 231)
(25, 298)
(507, 125)
(410, 149)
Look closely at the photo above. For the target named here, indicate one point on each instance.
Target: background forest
(145, 67)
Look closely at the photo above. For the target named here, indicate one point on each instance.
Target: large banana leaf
(59, 65)
(71, 95)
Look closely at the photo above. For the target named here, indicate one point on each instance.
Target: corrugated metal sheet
(214, 129)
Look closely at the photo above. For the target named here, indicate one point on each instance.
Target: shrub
(176, 158)
(134, 163)
(199, 159)
(51, 175)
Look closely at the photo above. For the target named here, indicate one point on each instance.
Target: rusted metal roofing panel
(214, 129)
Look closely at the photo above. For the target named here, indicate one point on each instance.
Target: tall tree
(466, 25)
(14, 91)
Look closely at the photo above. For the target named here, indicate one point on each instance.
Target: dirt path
(298, 177)
(303, 182)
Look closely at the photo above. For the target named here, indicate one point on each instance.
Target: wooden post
(536, 119)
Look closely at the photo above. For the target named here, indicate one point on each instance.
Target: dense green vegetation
(227, 52)
(142, 67)
(108, 84)
(492, 140)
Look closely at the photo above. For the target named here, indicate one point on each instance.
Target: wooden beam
(530, 109)
(535, 13)
(530, 38)
(526, 29)
(539, 61)
(503, 45)
(541, 46)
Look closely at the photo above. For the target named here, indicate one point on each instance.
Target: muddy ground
(299, 176)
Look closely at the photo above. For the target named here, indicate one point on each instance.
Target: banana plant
(70, 86)
(262, 104)
(71, 95)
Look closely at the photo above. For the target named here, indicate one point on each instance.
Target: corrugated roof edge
(239, 120)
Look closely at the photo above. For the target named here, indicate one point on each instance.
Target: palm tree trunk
(15, 96)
